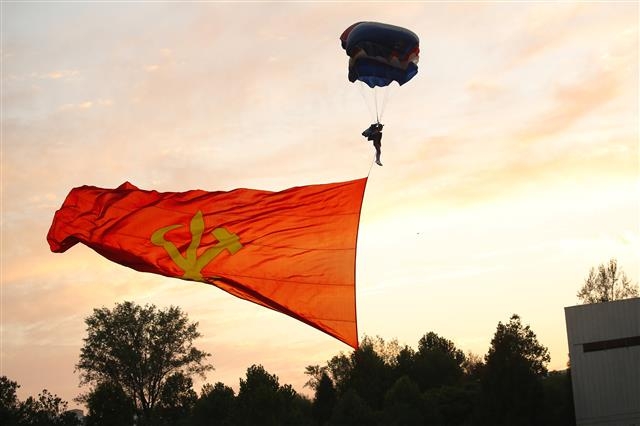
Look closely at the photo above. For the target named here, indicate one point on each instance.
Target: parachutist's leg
(378, 152)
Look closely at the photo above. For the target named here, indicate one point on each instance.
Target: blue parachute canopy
(380, 53)
(375, 73)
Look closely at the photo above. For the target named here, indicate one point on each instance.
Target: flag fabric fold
(292, 251)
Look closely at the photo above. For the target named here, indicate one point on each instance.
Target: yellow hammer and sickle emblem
(190, 263)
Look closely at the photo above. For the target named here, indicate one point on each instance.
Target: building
(604, 351)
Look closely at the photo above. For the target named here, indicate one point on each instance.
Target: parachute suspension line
(387, 95)
(375, 101)
(386, 90)
(361, 86)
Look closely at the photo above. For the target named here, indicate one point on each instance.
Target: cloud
(77, 106)
(485, 88)
(571, 103)
(65, 75)
(86, 104)
(542, 30)
(58, 75)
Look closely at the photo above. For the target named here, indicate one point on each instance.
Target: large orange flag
(292, 251)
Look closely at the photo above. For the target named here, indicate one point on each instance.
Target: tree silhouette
(370, 376)
(258, 397)
(558, 399)
(403, 403)
(455, 403)
(472, 366)
(261, 400)
(315, 373)
(9, 403)
(368, 371)
(511, 388)
(351, 409)
(176, 400)
(139, 349)
(108, 405)
(606, 284)
(215, 406)
(438, 362)
(325, 399)
(47, 410)
(404, 362)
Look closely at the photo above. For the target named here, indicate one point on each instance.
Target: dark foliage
(325, 399)
(109, 405)
(437, 363)
(403, 403)
(606, 284)
(45, 410)
(148, 353)
(261, 400)
(558, 399)
(215, 403)
(351, 409)
(512, 390)
(9, 404)
(378, 384)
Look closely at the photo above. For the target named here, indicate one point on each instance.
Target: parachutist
(374, 133)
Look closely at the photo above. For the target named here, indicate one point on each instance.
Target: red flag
(292, 251)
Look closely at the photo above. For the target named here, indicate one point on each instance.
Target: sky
(511, 164)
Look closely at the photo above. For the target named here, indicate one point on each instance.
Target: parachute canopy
(380, 53)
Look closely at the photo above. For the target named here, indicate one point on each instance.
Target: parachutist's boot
(378, 163)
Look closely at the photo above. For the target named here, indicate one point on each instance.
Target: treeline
(381, 383)
(437, 384)
(138, 362)
(45, 410)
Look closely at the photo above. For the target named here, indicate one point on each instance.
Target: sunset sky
(511, 164)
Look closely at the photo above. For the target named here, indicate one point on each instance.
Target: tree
(454, 403)
(472, 367)
(108, 405)
(9, 403)
(139, 349)
(368, 371)
(177, 400)
(215, 406)
(298, 410)
(315, 373)
(261, 400)
(351, 409)
(606, 284)
(47, 410)
(403, 403)
(258, 397)
(438, 362)
(558, 399)
(370, 376)
(404, 362)
(325, 399)
(511, 388)
(339, 369)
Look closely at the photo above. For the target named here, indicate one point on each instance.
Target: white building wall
(606, 383)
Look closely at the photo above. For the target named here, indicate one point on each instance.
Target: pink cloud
(571, 103)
